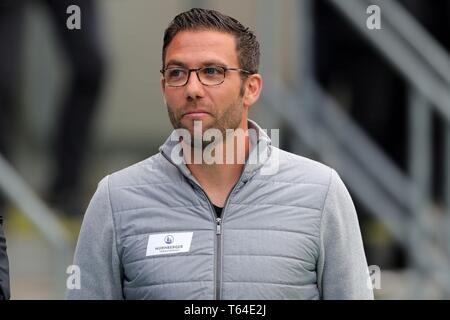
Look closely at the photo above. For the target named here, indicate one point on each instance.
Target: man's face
(222, 105)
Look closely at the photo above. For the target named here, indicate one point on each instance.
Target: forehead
(195, 48)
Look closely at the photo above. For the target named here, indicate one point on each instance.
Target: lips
(194, 113)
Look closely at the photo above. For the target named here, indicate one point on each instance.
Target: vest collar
(259, 152)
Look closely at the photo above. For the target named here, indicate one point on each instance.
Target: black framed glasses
(208, 76)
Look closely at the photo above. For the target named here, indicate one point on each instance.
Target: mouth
(196, 114)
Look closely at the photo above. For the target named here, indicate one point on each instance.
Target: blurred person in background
(87, 63)
(4, 265)
(86, 59)
(10, 29)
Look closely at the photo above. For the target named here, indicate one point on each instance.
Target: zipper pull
(218, 226)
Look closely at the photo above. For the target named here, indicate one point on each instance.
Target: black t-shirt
(218, 210)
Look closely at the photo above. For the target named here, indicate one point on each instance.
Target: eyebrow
(205, 63)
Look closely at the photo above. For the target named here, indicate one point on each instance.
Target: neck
(229, 156)
(219, 159)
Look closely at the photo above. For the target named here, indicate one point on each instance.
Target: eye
(211, 70)
(175, 73)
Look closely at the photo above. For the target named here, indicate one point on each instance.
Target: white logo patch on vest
(167, 243)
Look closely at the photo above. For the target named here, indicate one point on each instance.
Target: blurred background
(76, 105)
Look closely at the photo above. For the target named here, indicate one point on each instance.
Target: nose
(194, 88)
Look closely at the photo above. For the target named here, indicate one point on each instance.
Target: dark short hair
(247, 45)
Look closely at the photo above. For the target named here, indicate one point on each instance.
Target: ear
(163, 84)
(163, 88)
(253, 87)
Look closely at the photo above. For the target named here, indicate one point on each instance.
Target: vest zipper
(218, 224)
(218, 258)
(219, 233)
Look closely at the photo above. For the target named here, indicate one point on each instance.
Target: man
(4, 268)
(171, 227)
